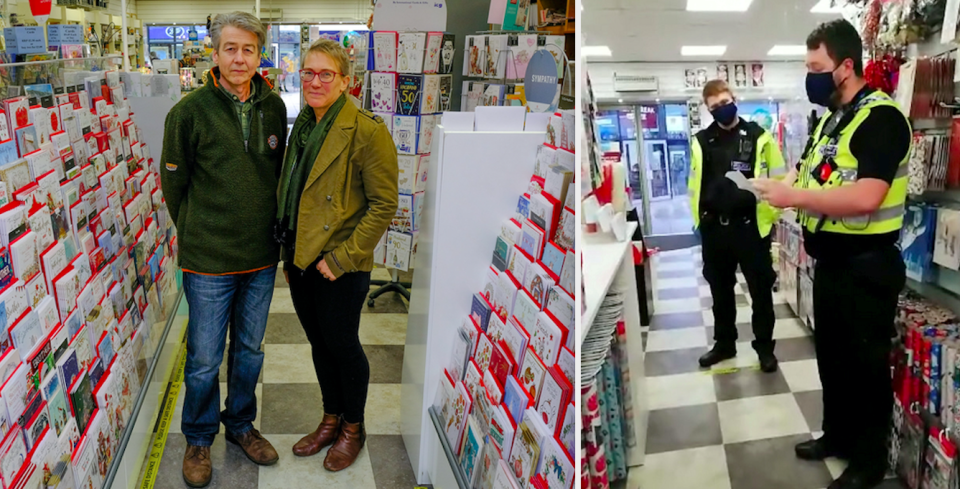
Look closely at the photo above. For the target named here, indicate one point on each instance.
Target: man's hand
(776, 193)
(325, 270)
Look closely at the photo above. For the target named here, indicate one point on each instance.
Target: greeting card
(385, 50)
(410, 52)
(383, 92)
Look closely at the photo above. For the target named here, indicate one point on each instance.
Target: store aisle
(290, 406)
(732, 427)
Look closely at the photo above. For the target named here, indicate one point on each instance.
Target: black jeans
(330, 315)
(854, 306)
(726, 244)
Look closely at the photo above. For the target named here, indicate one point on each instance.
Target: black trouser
(854, 306)
(330, 315)
(726, 244)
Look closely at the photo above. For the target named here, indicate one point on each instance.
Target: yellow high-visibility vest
(814, 175)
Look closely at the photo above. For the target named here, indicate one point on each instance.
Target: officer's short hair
(714, 88)
(841, 40)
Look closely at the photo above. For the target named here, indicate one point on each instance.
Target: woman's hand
(286, 276)
(325, 270)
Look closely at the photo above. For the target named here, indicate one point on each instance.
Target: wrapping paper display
(926, 380)
(606, 398)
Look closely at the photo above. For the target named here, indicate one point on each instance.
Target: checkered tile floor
(289, 406)
(732, 427)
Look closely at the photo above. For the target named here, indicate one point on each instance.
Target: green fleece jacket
(221, 189)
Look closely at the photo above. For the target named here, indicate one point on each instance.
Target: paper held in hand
(743, 183)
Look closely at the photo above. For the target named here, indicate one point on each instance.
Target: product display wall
(87, 274)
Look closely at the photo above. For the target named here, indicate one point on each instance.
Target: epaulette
(371, 115)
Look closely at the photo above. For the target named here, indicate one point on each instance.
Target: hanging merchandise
(881, 73)
(925, 85)
(928, 164)
(889, 26)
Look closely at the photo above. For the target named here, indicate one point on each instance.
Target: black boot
(818, 449)
(719, 353)
(855, 478)
(768, 361)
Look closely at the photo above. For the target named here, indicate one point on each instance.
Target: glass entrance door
(658, 170)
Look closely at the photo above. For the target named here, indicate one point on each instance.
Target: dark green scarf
(306, 140)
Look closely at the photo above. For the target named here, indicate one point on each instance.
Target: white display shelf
(607, 264)
(475, 179)
(602, 259)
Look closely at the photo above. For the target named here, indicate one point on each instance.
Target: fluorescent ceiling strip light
(702, 50)
(787, 50)
(595, 51)
(718, 5)
(824, 7)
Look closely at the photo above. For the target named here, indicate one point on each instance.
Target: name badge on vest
(828, 150)
(739, 166)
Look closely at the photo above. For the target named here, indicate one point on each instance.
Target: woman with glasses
(338, 194)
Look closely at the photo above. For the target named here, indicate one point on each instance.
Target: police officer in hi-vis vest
(850, 190)
(734, 228)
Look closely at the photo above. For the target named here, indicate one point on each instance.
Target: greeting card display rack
(475, 180)
(479, 72)
(411, 118)
(130, 357)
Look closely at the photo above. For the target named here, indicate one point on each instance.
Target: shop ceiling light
(825, 7)
(703, 50)
(344, 27)
(595, 51)
(718, 5)
(787, 50)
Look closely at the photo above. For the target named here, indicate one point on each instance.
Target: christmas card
(554, 398)
(546, 337)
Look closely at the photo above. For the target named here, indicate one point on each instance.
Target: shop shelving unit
(607, 265)
(475, 179)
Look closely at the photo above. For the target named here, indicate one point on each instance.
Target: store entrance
(285, 42)
(657, 158)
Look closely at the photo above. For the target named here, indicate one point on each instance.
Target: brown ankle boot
(344, 452)
(197, 468)
(256, 447)
(323, 437)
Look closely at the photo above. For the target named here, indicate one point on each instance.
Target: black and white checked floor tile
(730, 427)
(290, 405)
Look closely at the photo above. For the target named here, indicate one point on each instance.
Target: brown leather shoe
(324, 436)
(344, 452)
(256, 447)
(197, 468)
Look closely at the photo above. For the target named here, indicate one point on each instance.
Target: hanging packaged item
(939, 462)
(911, 449)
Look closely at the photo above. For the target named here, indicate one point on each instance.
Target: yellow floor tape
(166, 416)
(730, 370)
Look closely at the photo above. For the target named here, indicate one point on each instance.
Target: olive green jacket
(350, 196)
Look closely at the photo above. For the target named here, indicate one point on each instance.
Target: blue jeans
(242, 300)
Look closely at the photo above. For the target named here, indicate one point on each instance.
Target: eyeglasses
(326, 76)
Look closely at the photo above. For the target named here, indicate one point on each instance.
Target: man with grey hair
(222, 154)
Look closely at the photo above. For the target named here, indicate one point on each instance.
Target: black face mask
(725, 114)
